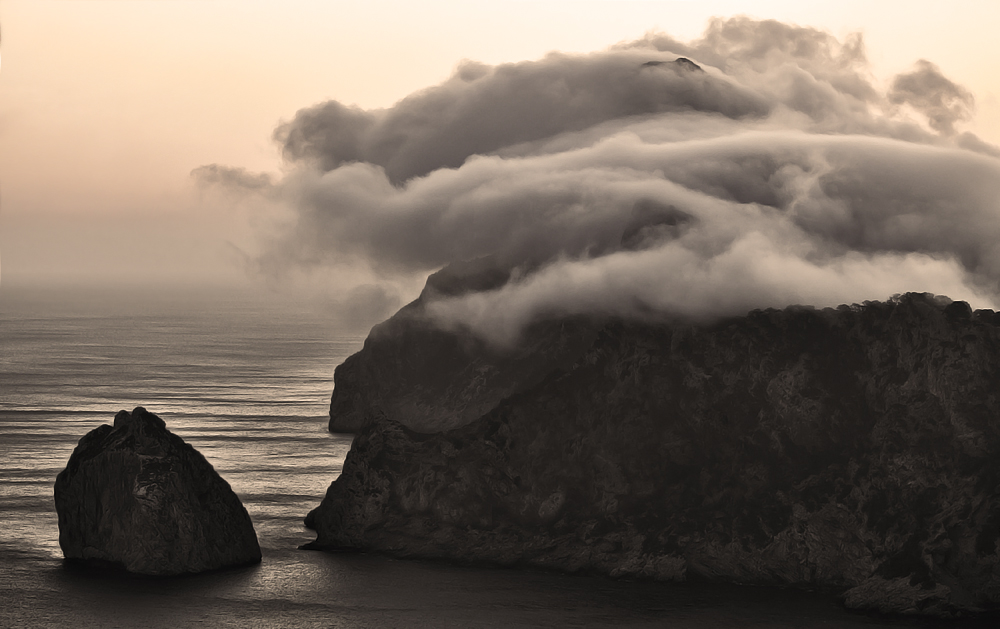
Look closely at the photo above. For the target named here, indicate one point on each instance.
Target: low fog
(758, 166)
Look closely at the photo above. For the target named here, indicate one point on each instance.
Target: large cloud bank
(758, 166)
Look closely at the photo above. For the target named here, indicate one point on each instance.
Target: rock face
(138, 496)
(433, 380)
(855, 448)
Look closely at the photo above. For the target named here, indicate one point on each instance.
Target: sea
(245, 378)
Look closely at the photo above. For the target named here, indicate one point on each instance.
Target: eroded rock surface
(136, 495)
(433, 380)
(855, 448)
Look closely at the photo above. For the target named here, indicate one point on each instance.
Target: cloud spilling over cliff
(760, 165)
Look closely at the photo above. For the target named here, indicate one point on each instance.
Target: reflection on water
(247, 383)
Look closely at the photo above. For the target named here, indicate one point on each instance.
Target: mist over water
(758, 166)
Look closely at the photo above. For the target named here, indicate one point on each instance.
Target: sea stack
(137, 496)
(855, 448)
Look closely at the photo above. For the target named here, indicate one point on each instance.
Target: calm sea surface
(246, 380)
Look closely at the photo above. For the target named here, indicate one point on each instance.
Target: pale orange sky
(105, 107)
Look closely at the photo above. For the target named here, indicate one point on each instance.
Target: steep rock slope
(854, 448)
(136, 495)
(431, 379)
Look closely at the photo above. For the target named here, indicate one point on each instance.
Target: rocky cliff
(855, 448)
(431, 379)
(137, 496)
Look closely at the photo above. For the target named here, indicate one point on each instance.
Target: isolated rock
(855, 448)
(138, 496)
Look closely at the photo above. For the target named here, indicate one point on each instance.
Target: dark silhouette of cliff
(853, 448)
(432, 379)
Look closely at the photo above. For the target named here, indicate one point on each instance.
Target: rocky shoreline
(851, 448)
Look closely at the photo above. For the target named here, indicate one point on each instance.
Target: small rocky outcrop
(137, 496)
(855, 448)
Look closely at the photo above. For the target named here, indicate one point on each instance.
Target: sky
(106, 108)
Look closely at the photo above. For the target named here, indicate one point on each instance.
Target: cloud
(752, 272)
(934, 95)
(757, 166)
(482, 109)
(231, 178)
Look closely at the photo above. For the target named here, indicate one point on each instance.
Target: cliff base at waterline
(855, 448)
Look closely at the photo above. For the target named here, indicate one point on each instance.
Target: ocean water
(246, 380)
